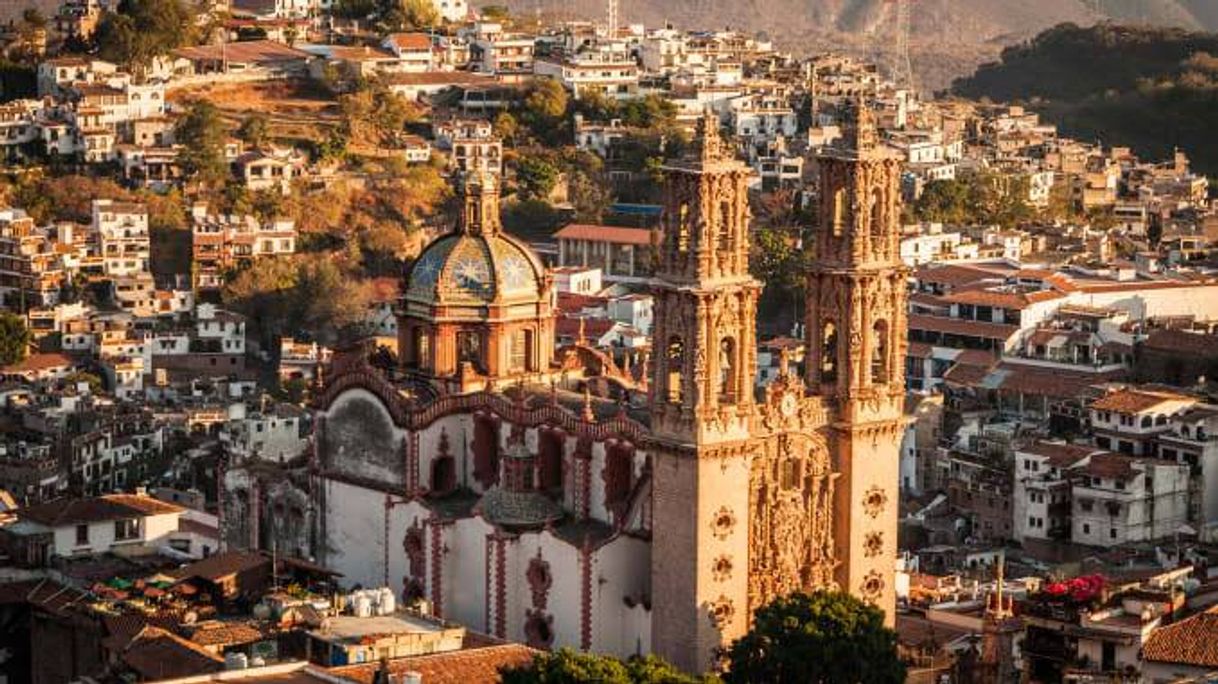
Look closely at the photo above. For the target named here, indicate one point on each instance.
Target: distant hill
(949, 37)
(1150, 88)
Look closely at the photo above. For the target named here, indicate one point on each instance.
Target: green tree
(255, 130)
(201, 133)
(143, 29)
(507, 127)
(14, 339)
(536, 176)
(569, 667)
(826, 637)
(545, 110)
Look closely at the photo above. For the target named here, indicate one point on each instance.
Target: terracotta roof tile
(156, 654)
(1059, 455)
(467, 666)
(1109, 466)
(1002, 299)
(223, 564)
(959, 326)
(1134, 400)
(613, 234)
(1192, 641)
(411, 41)
(224, 633)
(96, 509)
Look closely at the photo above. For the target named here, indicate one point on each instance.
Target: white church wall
(621, 569)
(465, 573)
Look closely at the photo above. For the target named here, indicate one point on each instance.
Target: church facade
(483, 478)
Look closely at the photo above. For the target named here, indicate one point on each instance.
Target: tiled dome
(464, 268)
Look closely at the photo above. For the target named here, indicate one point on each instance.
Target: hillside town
(343, 346)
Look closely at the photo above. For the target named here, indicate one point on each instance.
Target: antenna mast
(613, 18)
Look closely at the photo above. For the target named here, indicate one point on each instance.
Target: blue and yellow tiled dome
(476, 264)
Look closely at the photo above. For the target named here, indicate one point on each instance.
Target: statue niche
(791, 521)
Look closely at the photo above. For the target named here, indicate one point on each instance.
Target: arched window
(486, 450)
(443, 475)
(549, 461)
(725, 225)
(469, 348)
(727, 371)
(619, 470)
(839, 212)
(828, 352)
(1147, 421)
(683, 228)
(675, 365)
(422, 348)
(877, 213)
(879, 352)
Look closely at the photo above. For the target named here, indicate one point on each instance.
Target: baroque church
(483, 479)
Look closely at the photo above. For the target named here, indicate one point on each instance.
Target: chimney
(141, 491)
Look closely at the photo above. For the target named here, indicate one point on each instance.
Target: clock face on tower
(788, 405)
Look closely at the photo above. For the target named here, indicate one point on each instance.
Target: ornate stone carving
(540, 580)
(723, 522)
(872, 586)
(721, 612)
(722, 568)
(790, 527)
(874, 501)
(873, 544)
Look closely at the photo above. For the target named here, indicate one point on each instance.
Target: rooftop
(614, 234)
(1192, 641)
(97, 509)
(1136, 400)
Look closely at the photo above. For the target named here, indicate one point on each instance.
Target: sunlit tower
(612, 18)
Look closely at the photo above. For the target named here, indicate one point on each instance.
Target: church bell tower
(856, 320)
(701, 400)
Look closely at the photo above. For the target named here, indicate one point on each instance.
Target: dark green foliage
(1150, 88)
(975, 199)
(14, 338)
(143, 29)
(569, 667)
(819, 638)
(201, 133)
(536, 176)
(17, 80)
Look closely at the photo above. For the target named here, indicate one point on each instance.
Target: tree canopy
(14, 339)
(201, 132)
(569, 667)
(826, 637)
(143, 29)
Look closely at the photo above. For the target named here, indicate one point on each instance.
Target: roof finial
(587, 414)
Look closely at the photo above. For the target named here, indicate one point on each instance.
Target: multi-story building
(606, 69)
(1119, 499)
(622, 254)
(122, 230)
(222, 243)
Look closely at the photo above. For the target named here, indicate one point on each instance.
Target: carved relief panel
(791, 517)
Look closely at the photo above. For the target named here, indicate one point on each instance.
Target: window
(1112, 533)
(1086, 528)
(828, 353)
(879, 353)
(469, 348)
(839, 212)
(727, 371)
(518, 357)
(676, 361)
(82, 535)
(126, 529)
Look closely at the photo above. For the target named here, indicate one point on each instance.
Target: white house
(124, 524)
